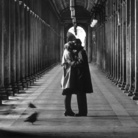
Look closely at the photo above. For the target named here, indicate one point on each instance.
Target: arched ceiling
(83, 9)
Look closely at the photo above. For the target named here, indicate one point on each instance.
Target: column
(132, 49)
(110, 39)
(31, 48)
(18, 45)
(39, 45)
(89, 44)
(135, 97)
(22, 44)
(123, 45)
(6, 45)
(34, 47)
(13, 46)
(27, 38)
(107, 34)
(128, 47)
(2, 88)
(112, 47)
(120, 45)
(117, 41)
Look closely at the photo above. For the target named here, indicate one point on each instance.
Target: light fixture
(72, 13)
(75, 28)
(73, 16)
(93, 23)
(72, 5)
(72, 8)
(74, 20)
(94, 20)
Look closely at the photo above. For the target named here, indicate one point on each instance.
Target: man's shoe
(79, 114)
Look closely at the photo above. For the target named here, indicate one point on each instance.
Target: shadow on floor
(19, 134)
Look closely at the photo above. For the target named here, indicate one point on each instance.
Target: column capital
(28, 9)
(20, 2)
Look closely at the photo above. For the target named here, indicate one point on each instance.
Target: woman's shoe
(69, 114)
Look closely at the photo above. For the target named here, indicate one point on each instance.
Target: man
(84, 84)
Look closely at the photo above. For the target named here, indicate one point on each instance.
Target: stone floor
(111, 113)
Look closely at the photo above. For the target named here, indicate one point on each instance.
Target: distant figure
(32, 118)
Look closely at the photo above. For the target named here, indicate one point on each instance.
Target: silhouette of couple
(76, 78)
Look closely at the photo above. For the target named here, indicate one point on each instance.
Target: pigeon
(32, 118)
(31, 105)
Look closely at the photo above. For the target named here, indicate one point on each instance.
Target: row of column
(26, 47)
(117, 44)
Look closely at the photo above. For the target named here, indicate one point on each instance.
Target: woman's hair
(69, 45)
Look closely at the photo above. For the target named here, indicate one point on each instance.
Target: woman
(68, 81)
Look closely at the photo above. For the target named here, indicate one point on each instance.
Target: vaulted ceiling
(83, 9)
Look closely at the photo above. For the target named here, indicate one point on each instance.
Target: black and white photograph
(68, 68)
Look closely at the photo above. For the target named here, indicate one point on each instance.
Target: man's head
(77, 43)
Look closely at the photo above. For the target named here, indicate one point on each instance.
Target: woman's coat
(68, 81)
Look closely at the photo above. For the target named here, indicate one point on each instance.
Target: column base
(110, 76)
(15, 88)
(0, 101)
(9, 90)
(24, 83)
(126, 88)
(19, 85)
(123, 86)
(28, 82)
(119, 83)
(130, 93)
(4, 94)
(32, 80)
(114, 80)
(38, 75)
(135, 96)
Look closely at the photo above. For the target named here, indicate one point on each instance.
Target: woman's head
(69, 45)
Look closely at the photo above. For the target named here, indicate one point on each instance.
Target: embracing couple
(76, 78)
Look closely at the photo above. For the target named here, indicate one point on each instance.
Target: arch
(70, 36)
(81, 34)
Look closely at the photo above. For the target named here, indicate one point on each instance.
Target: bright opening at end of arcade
(81, 34)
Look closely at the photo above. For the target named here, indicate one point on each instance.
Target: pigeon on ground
(31, 105)
(32, 118)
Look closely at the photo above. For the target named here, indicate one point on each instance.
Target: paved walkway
(111, 113)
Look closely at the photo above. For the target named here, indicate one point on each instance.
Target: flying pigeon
(32, 118)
